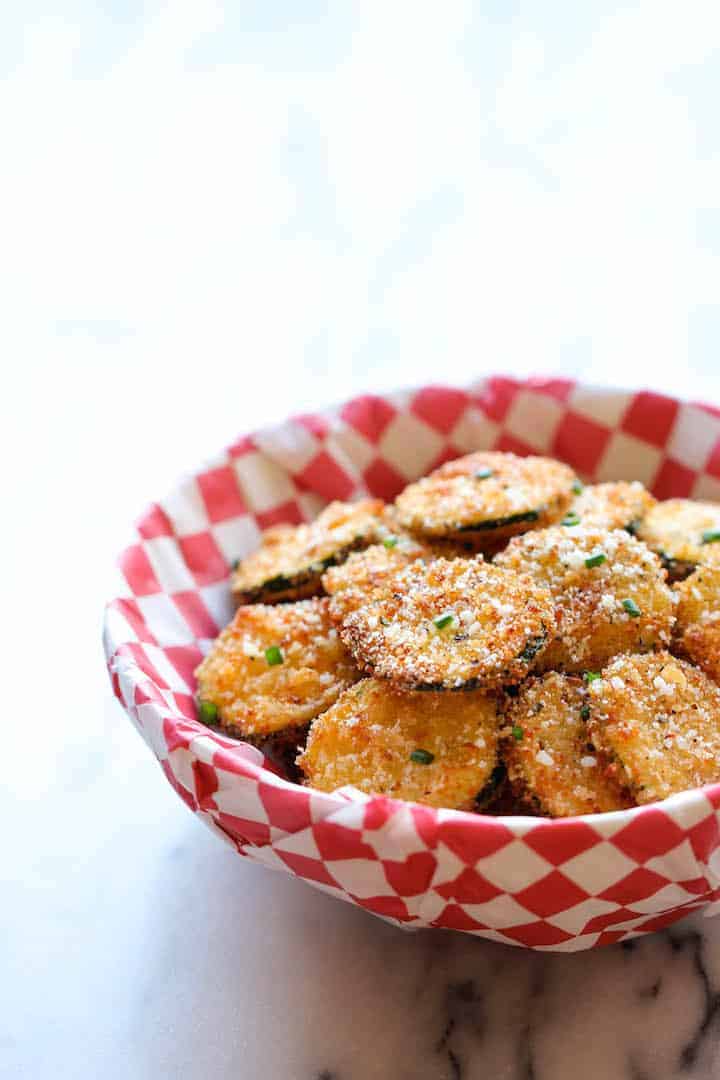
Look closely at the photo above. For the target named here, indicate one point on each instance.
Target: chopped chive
(711, 536)
(273, 655)
(483, 474)
(591, 676)
(571, 519)
(517, 733)
(585, 712)
(422, 757)
(578, 487)
(390, 541)
(596, 560)
(208, 712)
(632, 609)
(443, 620)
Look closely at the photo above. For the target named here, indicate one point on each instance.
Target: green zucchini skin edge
(487, 793)
(678, 569)
(503, 522)
(306, 582)
(530, 651)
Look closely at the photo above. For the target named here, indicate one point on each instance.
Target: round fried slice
(658, 719)
(273, 668)
(619, 505)
(424, 747)
(610, 593)
(487, 494)
(698, 619)
(351, 584)
(460, 624)
(290, 563)
(551, 762)
(355, 581)
(684, 533)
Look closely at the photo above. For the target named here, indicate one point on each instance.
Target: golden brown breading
(430, 748)
(619, 505)
(487, 495)
(698, 619)
(274, 668)
(364, 569)
(684, 533)
(658, 719)
(290, 563)
(551, 762)
(610, 593)
(352, 584)
(457, 624)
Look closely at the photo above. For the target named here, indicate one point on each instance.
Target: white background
(212, 215)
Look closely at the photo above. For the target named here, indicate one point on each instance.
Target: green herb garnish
(422, 757)
(443, 620)
(483, 474)
(585, 712)
(578, 487)
(591, 676)
(208, 712)
(632, 609)
(273, 655)
(571, 519)
(711, 536)
(517, 733)
(596, 560)
(390, 541)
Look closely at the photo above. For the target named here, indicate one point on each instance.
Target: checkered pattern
(567, 884)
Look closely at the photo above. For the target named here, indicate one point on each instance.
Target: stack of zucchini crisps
(501, 639)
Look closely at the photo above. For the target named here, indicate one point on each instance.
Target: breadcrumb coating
(658, 719)
(431, 748)
(698, 619)
(680, 531)
(551, 762)
(275, 667)
(292, 559)
(487, 494)
(609, 589)
(617, 505)
(452, 624)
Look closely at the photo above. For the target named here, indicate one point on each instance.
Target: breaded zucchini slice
(487, 495)
(273, 668)
(431, 748)
(455, 625)
(292, 559)
(352, 584)
(610, 593)
(618, 505)
(658, 719)
(552, 764)
(697, 633)
(684, 533)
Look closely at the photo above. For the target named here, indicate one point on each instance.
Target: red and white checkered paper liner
(563, 885)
